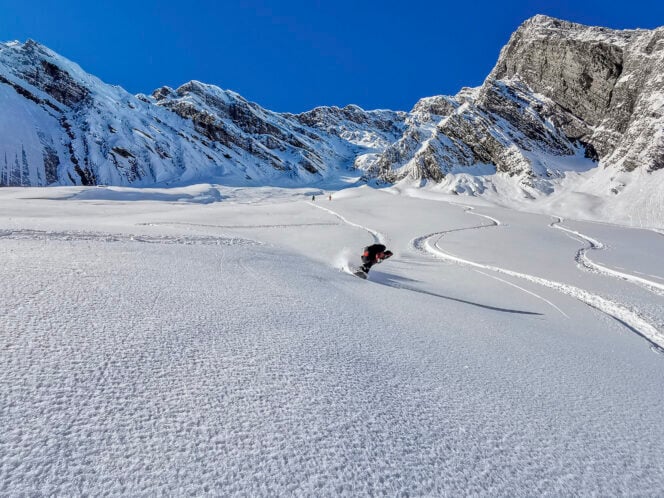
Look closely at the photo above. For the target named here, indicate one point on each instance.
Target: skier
(372, 254)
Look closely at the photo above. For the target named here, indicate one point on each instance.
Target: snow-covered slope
(151, 344)
(65, 126)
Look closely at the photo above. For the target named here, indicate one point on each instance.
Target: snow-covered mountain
(567, 108)
(60, 125)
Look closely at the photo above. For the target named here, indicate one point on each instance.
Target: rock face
(612, 81)
(562, 97)
(559, 89)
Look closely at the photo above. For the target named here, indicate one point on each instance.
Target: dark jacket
(371, 252)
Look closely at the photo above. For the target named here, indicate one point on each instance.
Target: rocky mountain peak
(162, 93)
(606, 79)
(559, 89)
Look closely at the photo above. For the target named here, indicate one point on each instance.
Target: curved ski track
(586, 263)
(627, 316)
(620, 312)
(377, 236)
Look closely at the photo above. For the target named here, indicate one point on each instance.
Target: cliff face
(612, 81)
(558, 90)
(502, 124)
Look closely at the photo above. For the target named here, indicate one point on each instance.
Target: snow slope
(203, 340)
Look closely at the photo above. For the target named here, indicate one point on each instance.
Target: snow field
(153, 347)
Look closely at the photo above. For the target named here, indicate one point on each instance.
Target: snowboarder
(372, 254)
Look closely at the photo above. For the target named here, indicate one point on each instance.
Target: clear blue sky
(295, 55)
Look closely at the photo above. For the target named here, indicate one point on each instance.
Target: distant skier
(372, 255)
(313, 197)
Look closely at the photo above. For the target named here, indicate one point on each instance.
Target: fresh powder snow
(206, 340)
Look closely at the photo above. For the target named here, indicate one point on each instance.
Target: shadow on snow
(396, 282)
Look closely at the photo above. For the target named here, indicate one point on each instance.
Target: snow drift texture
(563, 98)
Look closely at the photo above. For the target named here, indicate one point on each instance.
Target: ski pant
(367, 263)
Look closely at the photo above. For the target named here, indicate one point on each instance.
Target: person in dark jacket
(373, 254)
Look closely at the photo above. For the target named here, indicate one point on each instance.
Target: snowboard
(358, 272)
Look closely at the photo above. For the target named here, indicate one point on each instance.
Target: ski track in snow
(283, 225)
(76, 236)
(135, 370)
(625, 315)
(378, 237)
(494, 222)
(587, 264)
(645, 274)
(526, 291)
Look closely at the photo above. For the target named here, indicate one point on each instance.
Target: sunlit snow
(206, 340)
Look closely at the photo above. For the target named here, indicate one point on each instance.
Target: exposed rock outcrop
(610, 80)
